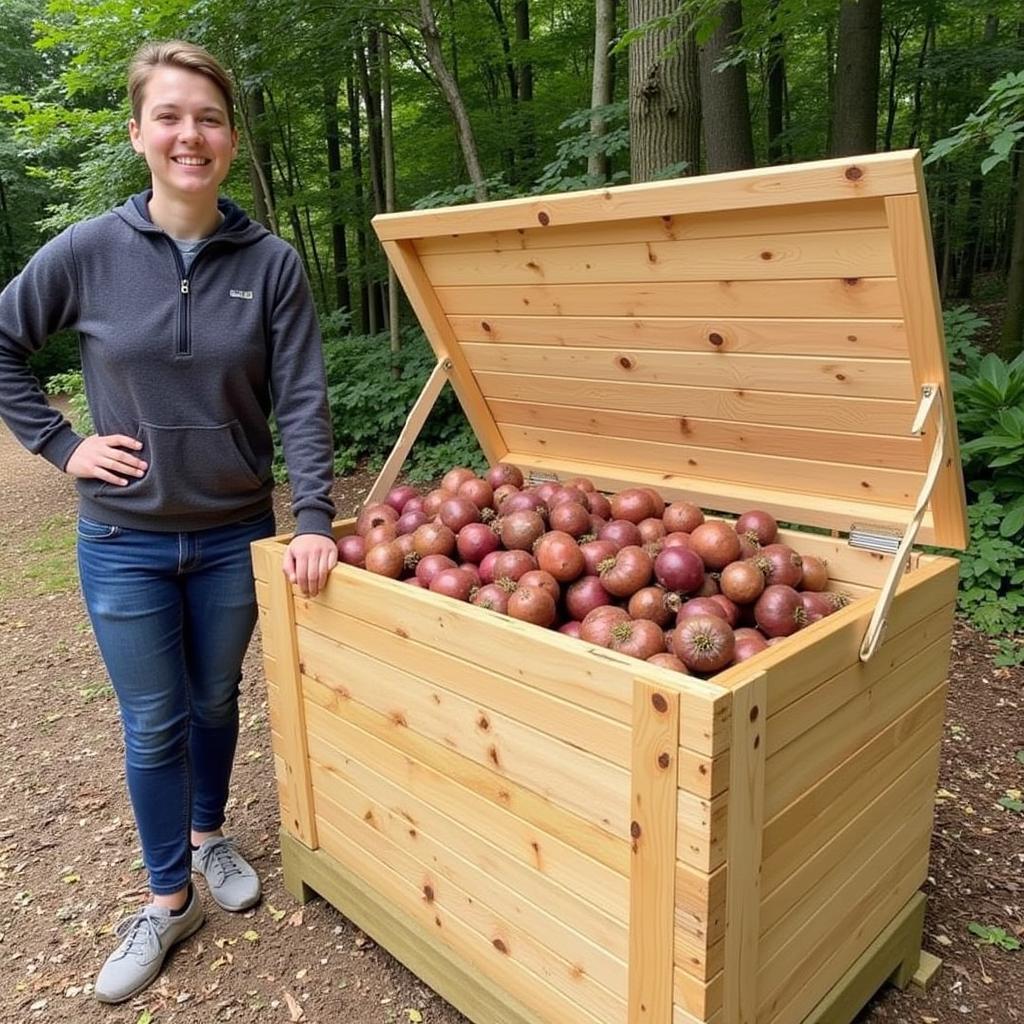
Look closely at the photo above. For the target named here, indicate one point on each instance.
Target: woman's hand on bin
(308, 560)
(104, 458)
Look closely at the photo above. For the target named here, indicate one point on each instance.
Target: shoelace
(223, 854)
(137, 931)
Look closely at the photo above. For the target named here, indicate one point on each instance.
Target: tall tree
(664, 91)
(524, 69)
(725, 105)
(339, 243)
(855, 113)
(776, 86)
(601, 92)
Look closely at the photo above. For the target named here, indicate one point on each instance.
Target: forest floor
(70, 864)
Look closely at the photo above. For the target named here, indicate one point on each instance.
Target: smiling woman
(176, 482)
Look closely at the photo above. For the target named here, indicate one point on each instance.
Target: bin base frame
(894, 956)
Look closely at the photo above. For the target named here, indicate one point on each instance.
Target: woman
(193, 321)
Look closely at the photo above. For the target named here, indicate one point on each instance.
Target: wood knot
(486, 326)
(544, 219)
(634, 829)
(766, 255)
(851, 281)
(754, 712)
(854, 173)
(715, 338)
(840, 376)
(428, 893)
(757, 741)
(500, 946)
(625, 362)
(659, 702)
(483, 723)
(664, 760)
(492, 753)
(851, 337)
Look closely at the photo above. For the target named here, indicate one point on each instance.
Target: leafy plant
(72, 384)
(990, 935)
(1011, 803)
(961, 325)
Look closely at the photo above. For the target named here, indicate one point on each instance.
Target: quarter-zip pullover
(189, 361)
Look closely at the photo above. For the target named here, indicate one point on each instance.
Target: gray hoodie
(190, 363)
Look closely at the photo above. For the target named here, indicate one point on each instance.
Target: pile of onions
(655, 581)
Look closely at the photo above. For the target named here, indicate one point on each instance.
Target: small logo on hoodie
(236, 294)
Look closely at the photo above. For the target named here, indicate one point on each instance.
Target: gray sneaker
(233, 883)
(146, 938)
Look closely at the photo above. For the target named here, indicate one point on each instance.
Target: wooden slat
(831, 480)
(701, 830)
(279, 627)
(592, 788)
(412, 940)
(577, 967)
(821, 181)
(919, 296)
(598, 679)
(476, 681)
(758, 221)
(842, 733)
(807, 256)
(793, 375)
(653, 846)
(700, 919)
(585, 836)
(859, 339)
(461, 793)
(423, 300)
(908, 453)
(702, 775)
(743, 851)
(863, 297)
(856, 415)
(701, 998)
(497, 951)
(583, 931)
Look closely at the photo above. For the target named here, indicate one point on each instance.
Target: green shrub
(72, 384)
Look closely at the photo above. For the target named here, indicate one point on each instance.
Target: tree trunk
(524, 114)
(261, 176)
(830, 79)
(9, 264)
(388, 142)
(725, 106)
(664, 94)
(601, 84)
(776, 91)
(450, 90)
(855, 114)
(896, 36)
(509, 147)
(356, 146)
(339, 243)
(1011, 340)
(370, 82)
(915, 119)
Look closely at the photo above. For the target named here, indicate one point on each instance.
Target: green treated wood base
(312, 872)
(894, 956)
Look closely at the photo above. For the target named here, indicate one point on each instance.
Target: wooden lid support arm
(931, 398)
(410, 431)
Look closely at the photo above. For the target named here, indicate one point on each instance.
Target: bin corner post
(293, 855)
(744, 830)
(654, 775)
(280, 623)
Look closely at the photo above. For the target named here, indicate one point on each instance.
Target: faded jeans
(173, 614)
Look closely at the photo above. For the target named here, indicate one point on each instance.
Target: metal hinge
(883, 539)
(536, 476)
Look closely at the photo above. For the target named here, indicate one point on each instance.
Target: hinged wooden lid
(758, 339)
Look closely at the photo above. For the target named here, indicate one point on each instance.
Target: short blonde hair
(177, 53)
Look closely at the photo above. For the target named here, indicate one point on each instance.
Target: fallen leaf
(943, 940)
(415, 1017)
(145, 1017)
(296, 919)
(299, 975)
(218, 963)
(295, 1011)
(277, 915)
(251, 936)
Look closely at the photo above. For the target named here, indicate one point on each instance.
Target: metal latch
(537, 476)
(883, 539)
(930, 393)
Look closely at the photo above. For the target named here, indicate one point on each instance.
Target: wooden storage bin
(550, 833)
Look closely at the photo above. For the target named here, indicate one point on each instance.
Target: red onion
(779, 611)
(704, 643)
(475, 541)
(678, 568)
(352, 550)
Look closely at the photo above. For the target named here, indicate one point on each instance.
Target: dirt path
(69, 859)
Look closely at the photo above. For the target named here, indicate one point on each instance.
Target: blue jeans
(173, 614)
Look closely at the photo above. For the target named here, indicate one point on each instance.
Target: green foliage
(990, 935)
(369, 406)
(58, 355)
(961, 325)
(574, 150)
(1010, 654)
(72, 384)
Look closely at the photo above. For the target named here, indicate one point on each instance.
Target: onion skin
(503, 492)
(455, 583)
(748, 643)
(599, 505)
(385, 560)
(631, 569)
(699, 606)
(779, 611)
(786, 566)
(582, 596)
(760, 527)
(486, 567)
(455, 478)
(410, 522)
(651, 529)
(502, 473)
(492, 597)
(478, 491)
(742, 582)
(816, 605)
(666, 660)
(430, 565)
(559, 554)
(680, 569)
(433, 499)
(596, 627)
(639, 638)
(542, 579)
(475, 541)
(456, 513)
(570, 628)
(510, 565)
(531, 604)
(634, 504)
(654, 603)
(520, 530)
(379, 534)
(621, 532)
(815, 573)
(433, 539)
(398, 497)
(716, 542)
(704, 643)
(595, 552)
(570, 517)
(374, 515)
(682, 517)
(352, 550)
(677, 539)
(732, 612)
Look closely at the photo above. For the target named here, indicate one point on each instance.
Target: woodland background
(348, 109)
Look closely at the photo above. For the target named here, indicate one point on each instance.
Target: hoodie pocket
(191, 469)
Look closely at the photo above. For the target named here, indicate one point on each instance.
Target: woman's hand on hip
(105, 458)
(308, 560)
